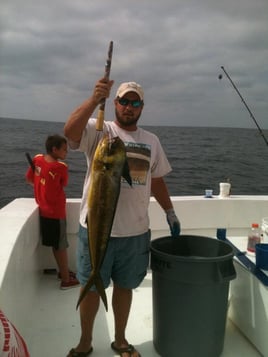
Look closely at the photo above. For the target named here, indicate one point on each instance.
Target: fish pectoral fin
(126, 174)
(101, 291)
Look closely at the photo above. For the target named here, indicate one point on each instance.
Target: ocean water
(200, 158)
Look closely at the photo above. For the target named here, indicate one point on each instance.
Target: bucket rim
(192, 258)
(262, 246)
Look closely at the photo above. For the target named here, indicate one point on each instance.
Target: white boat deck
(47, 318)
(54, 325)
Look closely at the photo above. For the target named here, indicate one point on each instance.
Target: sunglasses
(134, 103)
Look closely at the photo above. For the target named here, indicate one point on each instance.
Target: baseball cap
(129, 87)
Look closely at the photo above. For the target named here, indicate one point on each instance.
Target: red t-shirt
(49, 179)
(11, 342)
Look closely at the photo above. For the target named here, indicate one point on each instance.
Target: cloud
(51, 57)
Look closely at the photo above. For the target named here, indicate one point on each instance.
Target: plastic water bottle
(254, 237)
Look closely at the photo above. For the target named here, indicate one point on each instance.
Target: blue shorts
(125, 262)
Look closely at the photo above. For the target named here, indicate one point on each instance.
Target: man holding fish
(114, 234)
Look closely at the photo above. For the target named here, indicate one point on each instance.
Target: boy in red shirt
(49, 176)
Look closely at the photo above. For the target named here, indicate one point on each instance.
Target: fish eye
(107, 166)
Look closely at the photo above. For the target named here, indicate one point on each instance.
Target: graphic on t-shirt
(138, 157)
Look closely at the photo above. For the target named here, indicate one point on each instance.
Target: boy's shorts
(53, 232)
(125, 262)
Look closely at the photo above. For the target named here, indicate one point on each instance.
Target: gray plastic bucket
(190, 279)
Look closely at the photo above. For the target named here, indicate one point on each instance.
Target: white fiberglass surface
(54, 326)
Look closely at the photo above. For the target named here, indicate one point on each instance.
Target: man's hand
(173, 222)
(102, 90)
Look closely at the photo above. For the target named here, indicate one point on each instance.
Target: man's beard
(130, 121)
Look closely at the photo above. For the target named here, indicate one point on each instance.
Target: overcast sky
(52, 53)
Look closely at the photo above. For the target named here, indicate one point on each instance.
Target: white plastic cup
(264, 228)
(224, 189)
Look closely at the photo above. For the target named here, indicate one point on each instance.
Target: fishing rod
(30, 161)
(100, 116)
(244, 102)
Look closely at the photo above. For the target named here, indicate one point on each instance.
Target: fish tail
(86, 289)
(94, 279)
(101, 291)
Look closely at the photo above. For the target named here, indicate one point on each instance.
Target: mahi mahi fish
(109, 164)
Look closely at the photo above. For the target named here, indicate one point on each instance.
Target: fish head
(110, 150)
(110, 157)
